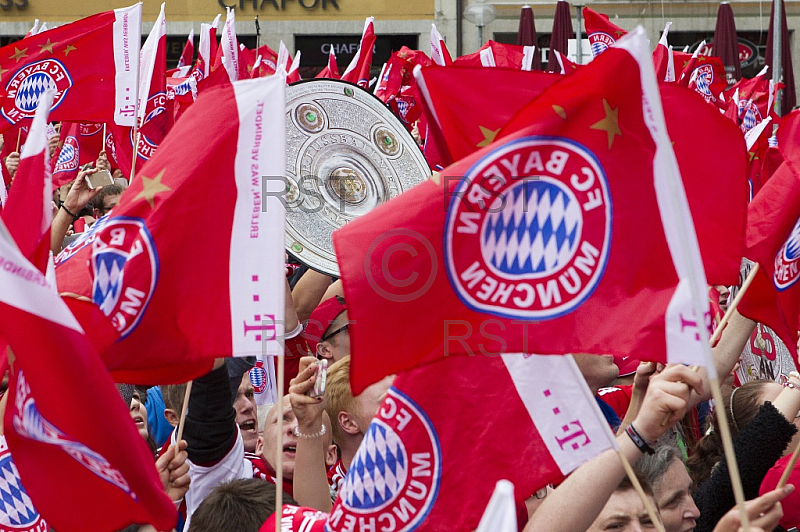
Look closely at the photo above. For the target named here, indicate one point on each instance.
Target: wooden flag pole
(648, 504)
(789, 467)
(19, 137)
(736, 300)
(730, 455)
(185, 407)
(279, 449)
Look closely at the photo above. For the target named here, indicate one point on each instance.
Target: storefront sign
(278, 5)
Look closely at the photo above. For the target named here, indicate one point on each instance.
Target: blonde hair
(339, 395)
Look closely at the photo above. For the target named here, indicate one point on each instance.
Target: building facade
(316, 26)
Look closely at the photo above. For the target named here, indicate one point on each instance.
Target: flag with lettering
(661, 58)
(600, 31)
(358, 71)
(56, 443)
(773, 241)
(90, 63)
(139, 264)
(154, 120)
(538, 423)
(719, 211)
(526, 244)
(439, 52)
(79, 143)
(207, 50)
(705, 74)
(750, 101)
(28, 213)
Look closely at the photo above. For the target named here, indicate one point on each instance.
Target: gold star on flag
(47, 47)
(151, 187)
(488, 136)
(619, 32)
(2, 71)
(609, 124)
(68, 49)
(685, 63)
(560, 111)
(19, 54)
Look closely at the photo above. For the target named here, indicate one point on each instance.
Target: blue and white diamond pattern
(16, 508)
(704, 83)
(793, 243)
(108, 279)
(378, 471)
(536, 232)
(31, 88)
(66, 155)
(598, 47)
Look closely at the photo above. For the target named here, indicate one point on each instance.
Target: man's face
(624, 512)
(675, 503)
(268, 443)
(598, 370)
(368, 403)
(247, 413)
(109, 202)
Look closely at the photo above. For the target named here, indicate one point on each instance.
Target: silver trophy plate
(346, 153)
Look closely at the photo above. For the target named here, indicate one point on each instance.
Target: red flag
(139, 264)
(749, 101)
(188, 51)
(773, 241)
(510, 91)
(91, 64)
(28, 213)
(207, 50)
(56, 443)
(538, 422)
(153, 117)
(495, 54)
(439, 53)
(719, 211)
(704, 74)
(602, 34)
(498, 263)
(661, 57)
(358, 71)
(331, 70)
(66, 162)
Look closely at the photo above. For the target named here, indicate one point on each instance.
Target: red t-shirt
(297, 518)
(617, 397)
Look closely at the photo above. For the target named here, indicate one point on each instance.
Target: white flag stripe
(127, 29)
(230, 46)
(23, 286)
(561, 407)
(501, 512)
(148, 58)
(257, 276)
(687, 335)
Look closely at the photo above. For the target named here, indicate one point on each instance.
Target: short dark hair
(242, 505)
(108, 190)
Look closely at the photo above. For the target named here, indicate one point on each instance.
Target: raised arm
(667, 397)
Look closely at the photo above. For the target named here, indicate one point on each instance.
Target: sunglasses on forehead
(334, 333)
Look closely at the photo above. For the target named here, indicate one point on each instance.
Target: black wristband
(74, 216)
(631, 431)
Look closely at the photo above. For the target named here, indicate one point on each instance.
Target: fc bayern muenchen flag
(57, 444)
(538, 423)
(529, 243)
(601, 32)
(140, 265)
(188, 51)
(716, 182)
(773, 241)
(661, 56)
(358, 70)
(91, 64)
(28, 213)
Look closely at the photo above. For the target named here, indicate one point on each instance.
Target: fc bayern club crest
(146, 147)
(125, 271)
(68, 157)
(704, 77)
(752, 116)
(26, 86)
(89, 129)
(600, 42)
(258, 377)
(787, 260)
(394, 478)
(528, 229)
(17, 513)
